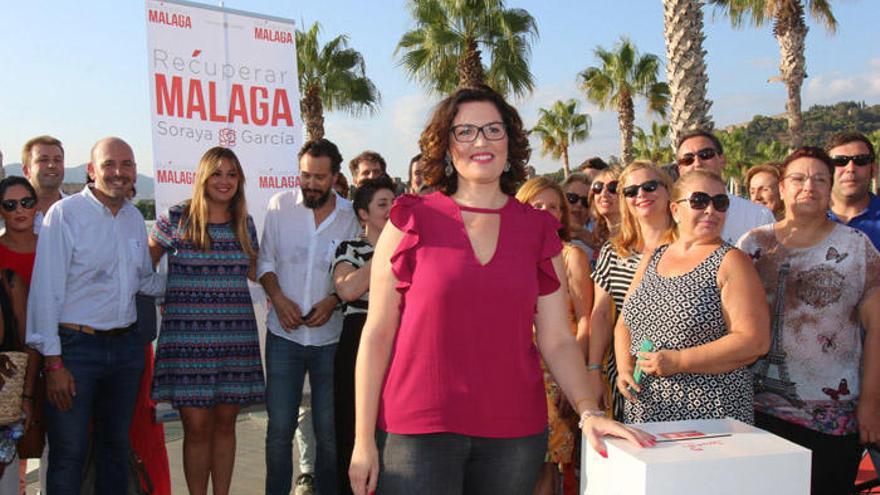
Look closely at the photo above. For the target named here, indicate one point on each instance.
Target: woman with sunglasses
(18, 246)
(604, 208)
(694, 319)
(646, 223)
(543, 194)
(577, 194)
(447, 369)
(820, 384)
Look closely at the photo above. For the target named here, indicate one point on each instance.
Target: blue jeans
(107, 373)
(286, 366)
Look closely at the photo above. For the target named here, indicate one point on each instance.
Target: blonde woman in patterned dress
(544, 194)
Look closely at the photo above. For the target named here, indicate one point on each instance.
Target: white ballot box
(713, 456)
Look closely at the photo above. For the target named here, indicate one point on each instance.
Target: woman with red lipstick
(646, 223)
(18, 244)
(822, 280)
(351, 277)
(698, 303)
(447, 370)
(208, 358)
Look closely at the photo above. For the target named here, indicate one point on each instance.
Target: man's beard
(316, 202)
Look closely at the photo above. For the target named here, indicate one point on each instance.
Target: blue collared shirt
(868, 221)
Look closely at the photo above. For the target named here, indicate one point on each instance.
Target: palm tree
(770, 151)
(739, 151)
(443, 51)
(790, 30)
(561, 127)
(656, 146)
(686, 67)
(332, 77)
(623, 75)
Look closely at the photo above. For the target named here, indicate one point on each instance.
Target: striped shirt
(356, 253)
(615, 274)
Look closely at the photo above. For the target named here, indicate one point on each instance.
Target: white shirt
(38, 217)
(89, 266)
(300, 255)
(742, 217)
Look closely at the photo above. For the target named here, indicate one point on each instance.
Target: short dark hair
(16, 180)
(368, 188)
(594, 163)
(700, 133)
(322, 147)
(434, 141)
(847, 137)
(808, 152)
(366, 156)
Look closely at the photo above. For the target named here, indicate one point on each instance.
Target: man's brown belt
(93, 331)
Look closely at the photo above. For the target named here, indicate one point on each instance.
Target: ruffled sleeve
(551, 245)
(403, 216)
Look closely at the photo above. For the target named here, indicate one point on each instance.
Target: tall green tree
(331, 77)
(622, 75)
(739, 156)
(560, 127)
(445, 48)
(656, 146)
(790, 30)
(686, 66)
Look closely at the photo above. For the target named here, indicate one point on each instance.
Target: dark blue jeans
(452, 464)
(286, 366)
(107, 373)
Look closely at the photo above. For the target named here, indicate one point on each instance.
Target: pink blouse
(463, 359)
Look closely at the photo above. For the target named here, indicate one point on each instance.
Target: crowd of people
(458, 338)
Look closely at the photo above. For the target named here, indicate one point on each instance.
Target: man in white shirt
(701, 150)
(91, 260)
(42, 163)
(300, 235)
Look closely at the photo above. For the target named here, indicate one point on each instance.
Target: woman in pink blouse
(447, 369)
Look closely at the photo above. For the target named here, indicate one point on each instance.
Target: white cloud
(836, 86)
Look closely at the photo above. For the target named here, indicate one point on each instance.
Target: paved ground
(250, 467)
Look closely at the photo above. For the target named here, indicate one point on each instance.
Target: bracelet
(29, 398)
(594, 367)
(53, 367)
(590, 413)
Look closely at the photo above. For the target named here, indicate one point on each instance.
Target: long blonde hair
(536, 186)
(195, 217)
(629, 238)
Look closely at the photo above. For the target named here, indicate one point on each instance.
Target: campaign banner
(222, 77)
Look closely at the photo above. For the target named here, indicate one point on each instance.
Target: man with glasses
(701, 150)
(42, 163)
(851, 200)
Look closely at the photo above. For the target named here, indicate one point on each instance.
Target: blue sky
(78, 70)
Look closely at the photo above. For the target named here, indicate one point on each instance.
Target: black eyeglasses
(467, 133)
(700, 201)
(597, 187)
(859, 160)
(704, 154)
(26, 203)
(633, 190)
(574, 199)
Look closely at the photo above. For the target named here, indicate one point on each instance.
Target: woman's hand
(364, 469)
(660, 363)
(595, 427)
(626, 384)
(868, 415)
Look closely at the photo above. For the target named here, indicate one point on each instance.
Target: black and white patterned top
(355, 252)
(615, 274)
(680, 312)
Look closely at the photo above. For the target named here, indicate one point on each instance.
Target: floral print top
(811, 376)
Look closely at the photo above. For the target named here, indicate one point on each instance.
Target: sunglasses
(701, 200)
(859, 160)
(597, 187)
(11, 204)
(704, 154)
(633, 190)
(574, 199)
